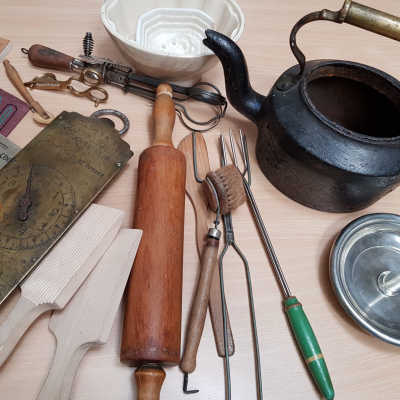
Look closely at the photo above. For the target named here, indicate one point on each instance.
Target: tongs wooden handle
(199, 306)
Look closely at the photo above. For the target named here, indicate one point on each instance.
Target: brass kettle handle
(352, 13)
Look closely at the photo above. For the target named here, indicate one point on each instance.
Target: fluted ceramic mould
(174, 31)
(120, 18)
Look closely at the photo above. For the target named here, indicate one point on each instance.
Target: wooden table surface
(361, 366)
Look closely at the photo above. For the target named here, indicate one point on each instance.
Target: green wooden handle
(309, 346)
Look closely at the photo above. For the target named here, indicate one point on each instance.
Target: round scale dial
(37, 202)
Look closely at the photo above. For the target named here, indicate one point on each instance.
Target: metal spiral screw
(88, 44)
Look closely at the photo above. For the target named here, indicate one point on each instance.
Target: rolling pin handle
(149, 380)
(163, 116)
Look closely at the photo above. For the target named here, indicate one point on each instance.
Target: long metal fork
(299, 322)
(230, 241)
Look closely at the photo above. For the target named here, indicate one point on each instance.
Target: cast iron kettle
(329, 130)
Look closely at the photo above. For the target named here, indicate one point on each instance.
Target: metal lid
(365, 274)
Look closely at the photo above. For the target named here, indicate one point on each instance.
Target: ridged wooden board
(87, 319)
(194, 191)
(52, 284)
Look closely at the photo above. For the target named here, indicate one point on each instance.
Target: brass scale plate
(62, 169)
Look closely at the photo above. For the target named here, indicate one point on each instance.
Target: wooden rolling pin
(151, 334)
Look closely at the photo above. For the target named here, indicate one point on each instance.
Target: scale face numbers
(52, 209)
(47, 186)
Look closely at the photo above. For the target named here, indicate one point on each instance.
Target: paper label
(8, 150)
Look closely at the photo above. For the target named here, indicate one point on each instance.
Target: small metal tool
(49, 81)
(230, 241)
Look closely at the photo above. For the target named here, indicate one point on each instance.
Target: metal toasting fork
(230, 241)
(300, 325)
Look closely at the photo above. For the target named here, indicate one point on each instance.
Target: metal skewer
(267, 241)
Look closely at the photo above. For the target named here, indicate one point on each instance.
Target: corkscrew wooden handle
(44, 57)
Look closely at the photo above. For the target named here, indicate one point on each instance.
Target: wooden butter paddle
(87, 319)
(52, 284)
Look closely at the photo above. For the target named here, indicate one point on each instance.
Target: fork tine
(223, 150)
(233, 149)
(246, 155)
(243, 148)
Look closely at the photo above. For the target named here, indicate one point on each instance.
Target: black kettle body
(329, 130)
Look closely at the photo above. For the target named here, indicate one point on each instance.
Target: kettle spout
(238, 89)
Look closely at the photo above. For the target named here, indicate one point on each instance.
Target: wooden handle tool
(87, 319)
(151, 334)
(195, 192)
(44, 57)
(19, 85)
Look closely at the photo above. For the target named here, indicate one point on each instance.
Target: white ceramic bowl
(120, 17)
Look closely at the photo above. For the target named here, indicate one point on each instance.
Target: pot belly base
(315, 184)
